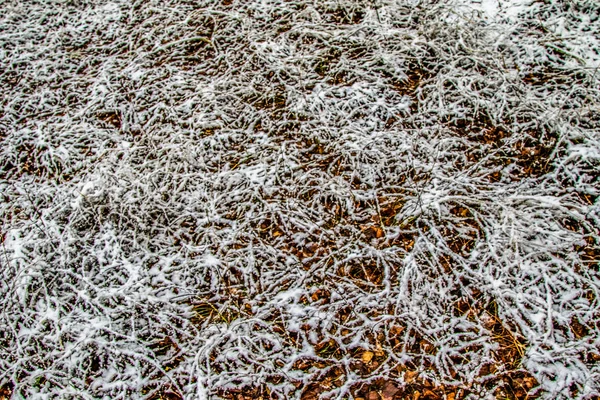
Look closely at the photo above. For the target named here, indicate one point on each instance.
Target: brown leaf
(373, 396)
(320, 294)
(373, 231)
(578, 328)
(428, 394)
(389, 390)
(312, 392)
(410, 376)
(396, 330)
(530, 382)
(5, 392)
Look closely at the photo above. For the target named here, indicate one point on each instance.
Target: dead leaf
(410, 376)
(373, 396)
(530, 382)
(389, 390)
(367, 356)
(373, 231)
(277, 233)
(396, 330)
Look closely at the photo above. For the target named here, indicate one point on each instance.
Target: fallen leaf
(373, 396)
(410, 376)
(530, 382)
(396, 330)
(367, 356)
(389, 390)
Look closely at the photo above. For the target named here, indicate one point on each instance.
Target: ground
(390, 199)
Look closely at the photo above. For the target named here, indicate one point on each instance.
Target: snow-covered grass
(299, 199)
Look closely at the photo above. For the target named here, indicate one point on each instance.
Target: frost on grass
(310, 199)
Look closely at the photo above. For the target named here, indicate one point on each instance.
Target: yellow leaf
(367, 356)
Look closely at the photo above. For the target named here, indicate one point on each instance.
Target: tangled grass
(299, 199)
